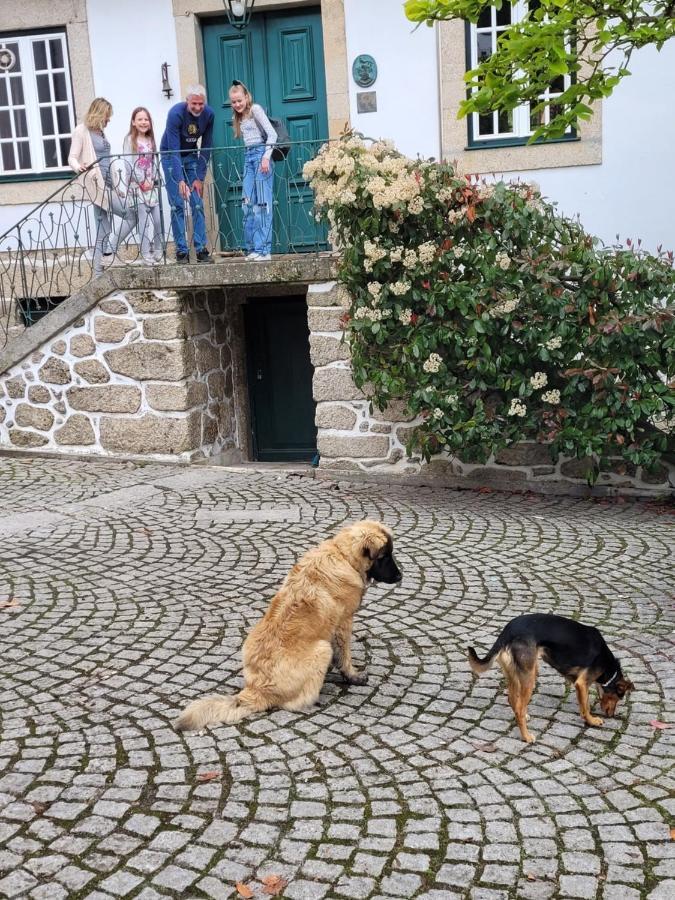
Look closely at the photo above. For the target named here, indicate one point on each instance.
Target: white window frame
(522, 129)
(33, 106)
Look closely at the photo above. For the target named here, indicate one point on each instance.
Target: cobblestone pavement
(133, 588)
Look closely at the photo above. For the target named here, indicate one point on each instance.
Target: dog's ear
(370, 540)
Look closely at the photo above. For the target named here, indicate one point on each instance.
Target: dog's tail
(478, 665)
(216, 710)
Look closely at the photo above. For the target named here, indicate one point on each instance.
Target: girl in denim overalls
(251, 123)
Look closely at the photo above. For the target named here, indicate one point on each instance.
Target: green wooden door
(280, 58)
(280, 379)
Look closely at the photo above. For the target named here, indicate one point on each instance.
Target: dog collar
(609, 680)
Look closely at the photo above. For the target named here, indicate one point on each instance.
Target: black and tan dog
(307, 626)
(577, 651)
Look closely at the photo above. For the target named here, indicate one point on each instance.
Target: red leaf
(656, 724)
(8, 604)
(208, 776)
(273, 885)
(244, 890)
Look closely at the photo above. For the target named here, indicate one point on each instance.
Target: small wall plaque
(366, 101)
(364, 70)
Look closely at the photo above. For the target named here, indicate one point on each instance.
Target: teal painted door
(280, 58)
(280, 379)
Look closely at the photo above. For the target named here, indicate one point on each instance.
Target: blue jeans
(257, 200)
(189, 174)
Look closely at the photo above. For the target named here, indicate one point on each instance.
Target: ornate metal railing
(50, 253)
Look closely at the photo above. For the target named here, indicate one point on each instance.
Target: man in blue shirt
(185, 163)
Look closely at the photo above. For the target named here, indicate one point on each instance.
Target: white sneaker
(252, 255)
(263, 257)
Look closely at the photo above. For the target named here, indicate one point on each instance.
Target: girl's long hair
(133, 131)
(237, 117)
(99, 110)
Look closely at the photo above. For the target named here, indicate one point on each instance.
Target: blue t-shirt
(183, 130)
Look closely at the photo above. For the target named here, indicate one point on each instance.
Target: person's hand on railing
(264, 165)
(184, 190)
(198, 186)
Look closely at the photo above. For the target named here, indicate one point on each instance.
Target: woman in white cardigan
(90, 156)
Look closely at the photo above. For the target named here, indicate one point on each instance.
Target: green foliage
(494, 318)
(590, 41)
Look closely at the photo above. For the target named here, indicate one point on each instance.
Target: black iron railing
(51, 252)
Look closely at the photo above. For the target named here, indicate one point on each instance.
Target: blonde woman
(251, 123)
(90, 156)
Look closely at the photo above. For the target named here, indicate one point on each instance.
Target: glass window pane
(40, 54)
(64, 148)
(3, 91)
(20, 124)
(8, 157)
(44, 88)
(5, 124)
(485, 124)
(536, 119)
(60, 90)
(484, 46)
(56, 53)
(558, 85)
(504, 14)
(556, 109)
(63, 120)
(485, 18)
(50, 154)
(47, 120)
(17, 90)
(24, 155)
(505, 119)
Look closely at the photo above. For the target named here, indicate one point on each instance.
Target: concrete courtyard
(126, 591)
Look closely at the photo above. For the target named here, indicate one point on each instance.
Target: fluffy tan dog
(308, 624)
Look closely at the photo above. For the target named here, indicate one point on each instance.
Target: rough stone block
(164, 328)
(216, 383)
(155, 301)
(114, 307)
(354, 447)
(82, 345)
(208, 356)
(105, 398)
(16, 387)
(325, 318)
(658, 474)
(209, 429)
(198, 322)
(33, 417)
(394, 412)
(333, 415)
(27, 438)
(151, 434)
(77, 431)
(112, 330)
(577, 468)
(176, 397)
(58, 347)
(335, 384)
(55, 371)
(153, 361)
(325, 294)
(92, 371)
(38, 394)
(525, 454)
(325, 349)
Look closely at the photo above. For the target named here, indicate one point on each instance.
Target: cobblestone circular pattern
(126, 591)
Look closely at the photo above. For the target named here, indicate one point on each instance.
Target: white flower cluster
(455, 215)
(551, 397)
(363, 312)
(452, 400)
(405, 316)
(416, 206)
(432, 364)
(517, 408)
(503, 260)
(374, 289)
(410, 259)
(396, 254)
(458, 251)
(539, 380)
(399, 287)
(445, 194)
(553, 343)
(374, 250)
(504, 307)
(438, 413)
(427, 252)
(485, 191)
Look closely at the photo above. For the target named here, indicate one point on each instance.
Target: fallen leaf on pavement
(6, 604)
(244, 890)
(484, 747)
(273, 884)
(209, 776)
(672, 834)
(656, 724)
(531, 876)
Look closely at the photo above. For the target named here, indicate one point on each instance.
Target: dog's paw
(595, 721)
(355, 678)
(529, 738)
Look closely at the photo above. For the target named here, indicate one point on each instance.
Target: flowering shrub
(496, 319)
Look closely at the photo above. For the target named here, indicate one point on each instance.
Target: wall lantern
(166, 86)
(239, 12)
